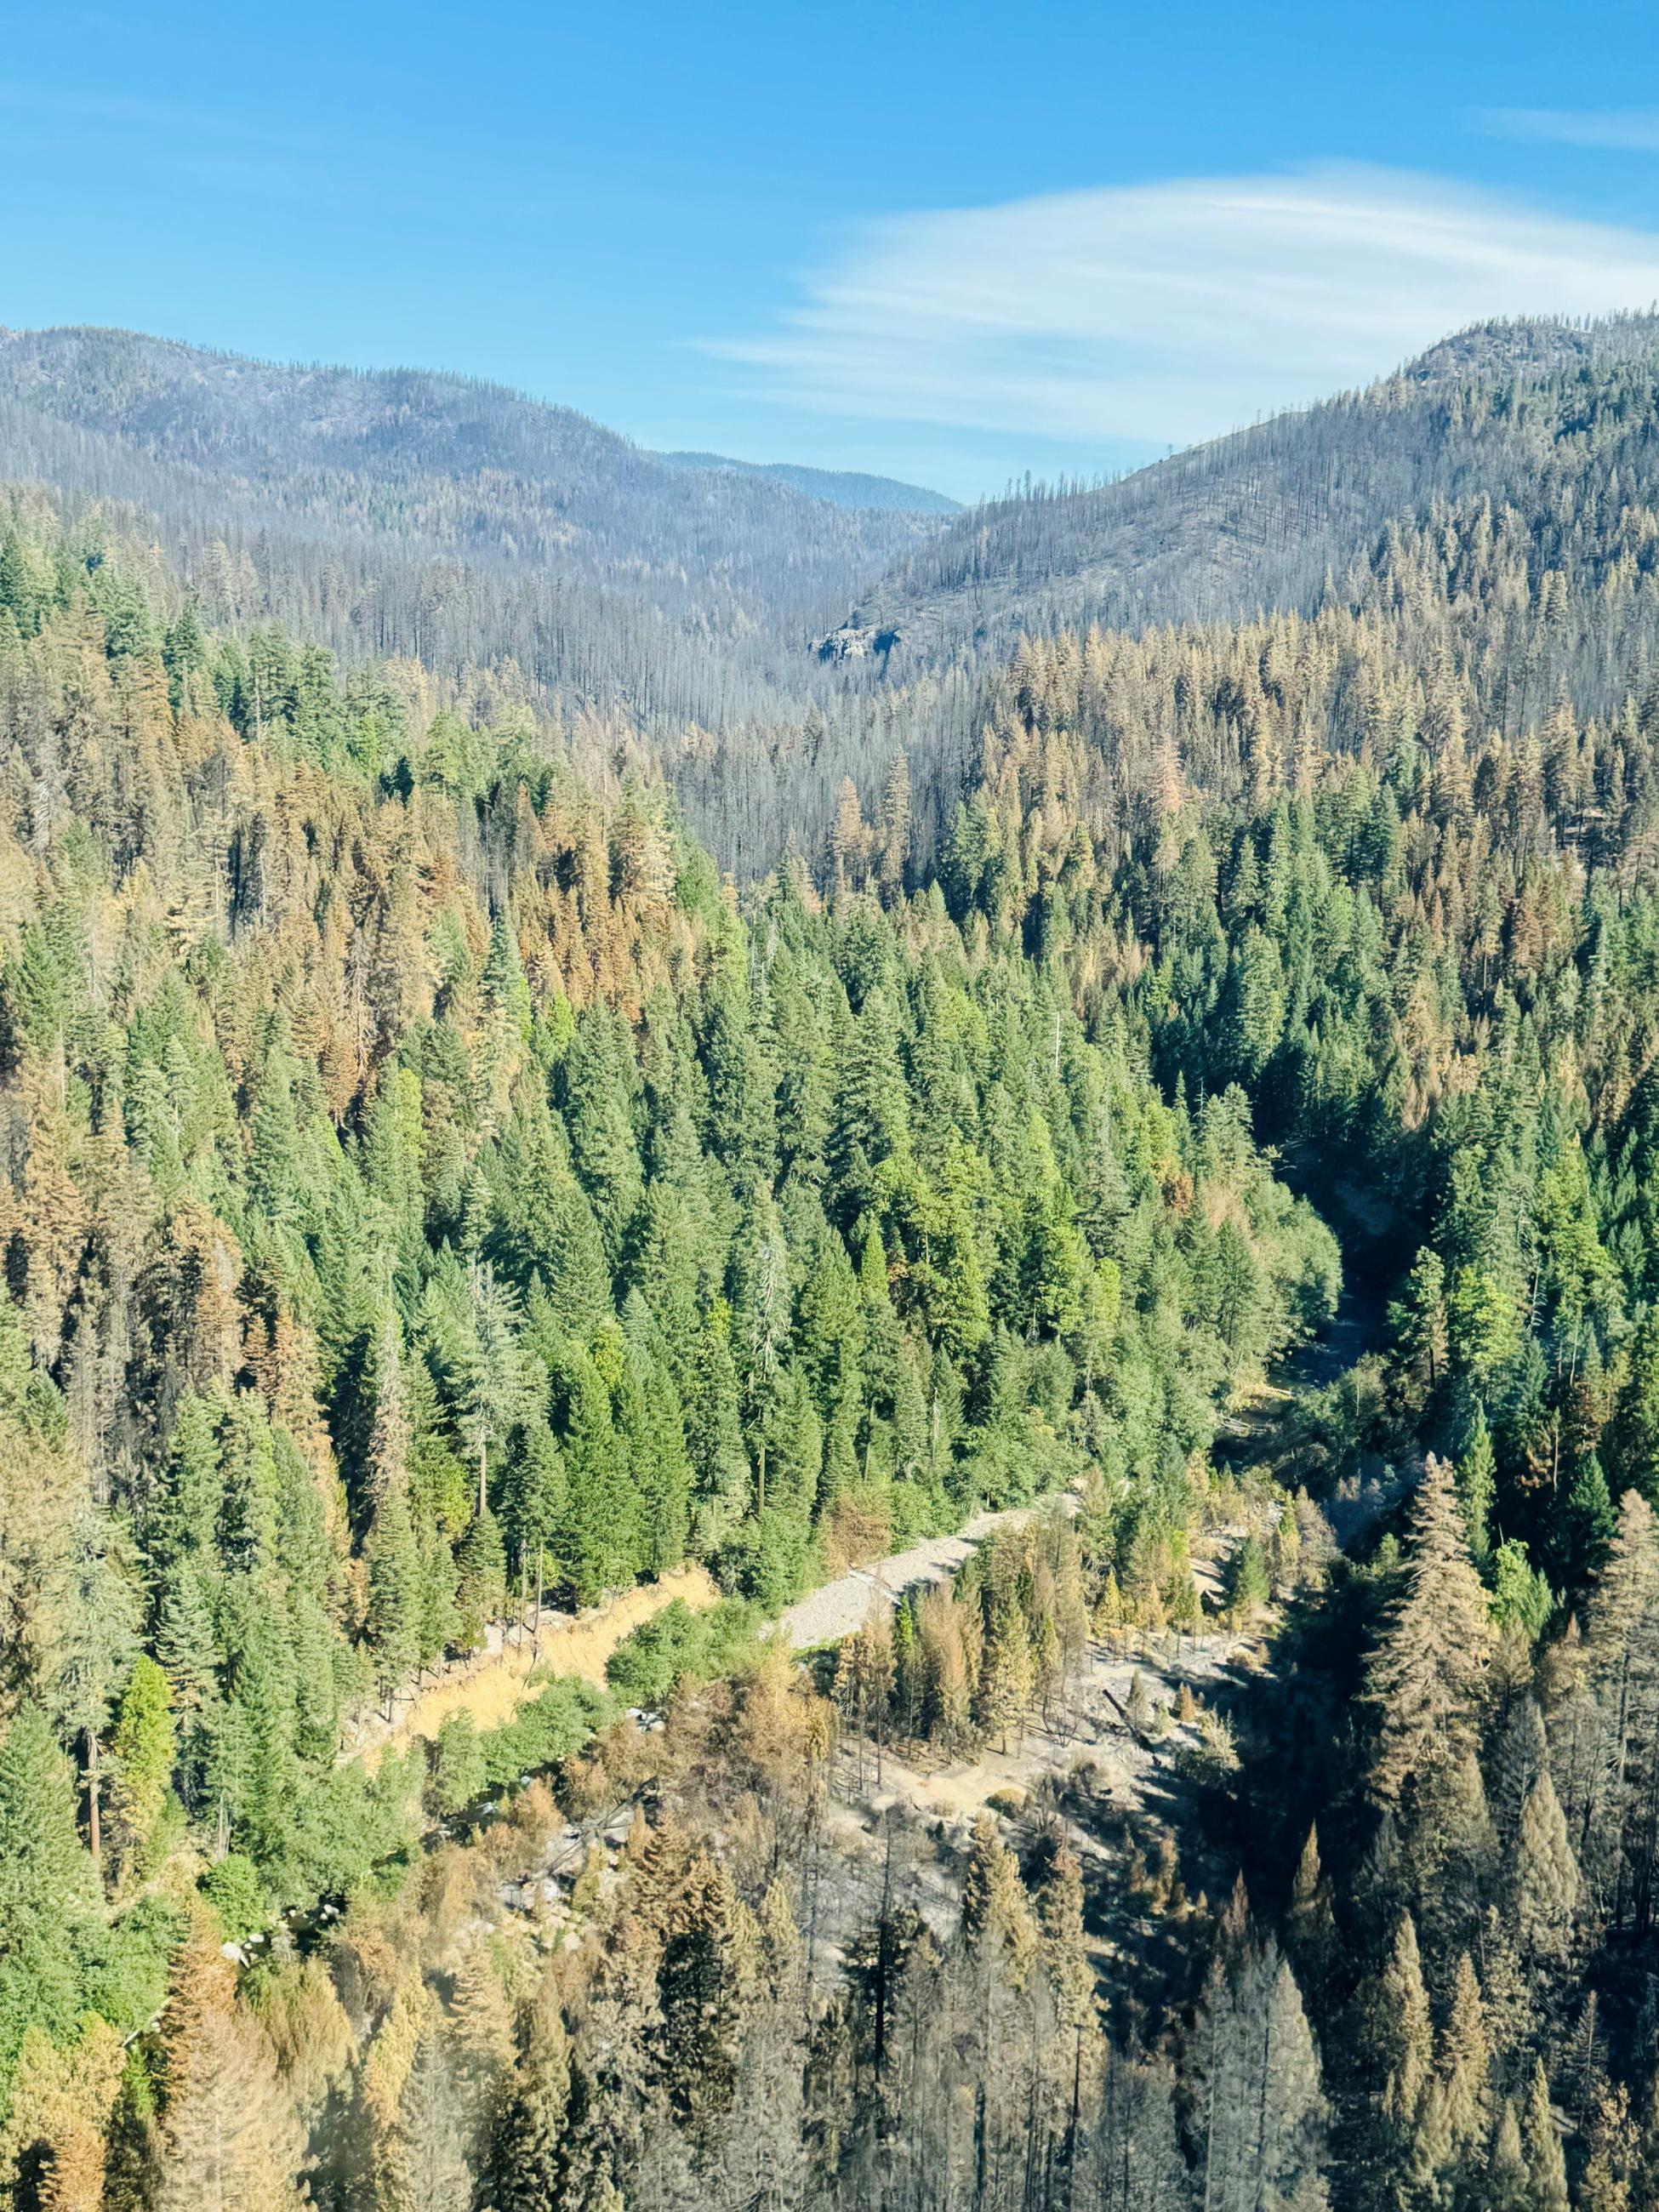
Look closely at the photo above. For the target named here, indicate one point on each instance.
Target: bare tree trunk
(94, 1822)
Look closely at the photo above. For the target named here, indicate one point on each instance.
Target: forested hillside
(465, 524)
(650, 606)
(424, 1179)
(1482, 524)
(1272, 513)
(1267, 517)
(434, 1194)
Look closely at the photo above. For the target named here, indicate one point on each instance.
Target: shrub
(645, 1667)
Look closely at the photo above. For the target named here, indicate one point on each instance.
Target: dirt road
(840, 1608)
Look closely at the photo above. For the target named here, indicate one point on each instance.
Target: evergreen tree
(1547, 2164)
(527, 2158)
(93, 1611)
(230, 2139)
(1477, 1482)
(701, 1996)
(1465, 2068)
(480, 1582)
(1509, 2183)
(1311, 1925)
(1008, 1679)
(48, 1887)
(142, 1750)
(1403, 2051)
(1425, 1677)
(393, 1625)
(1546, 1876)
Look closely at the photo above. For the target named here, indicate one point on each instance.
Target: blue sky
(950, 242)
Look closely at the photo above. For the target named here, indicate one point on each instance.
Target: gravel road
(841, 1609)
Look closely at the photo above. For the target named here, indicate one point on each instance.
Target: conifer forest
(829, 1333)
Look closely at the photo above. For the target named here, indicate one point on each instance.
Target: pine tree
(1610, 2168)
(1424, 1678)
(230, 2139)
(1137, 2162)
(481, 1579)
(142, 1752)
(1477, 1483)
(390, 1439)
(766, 2150)
(598, 1542)
(1509, 2183)
(383, 2085)
(1547, 2164)
(393, 1625)
(701, 1998)
(48, 1887)
(996, 1914)
(714, 1433)
(1006, 1683)
(1587, 1525)
(94, 1611)
(528, 2153)
(1621, 1655)
(53, 2144)
(1402, 2044)
(1465, 2064)
(1546, 1877)
(1065, 1951)
(1248, 1589)
(1259, 2103)
(432, 2136)
(766, 1329)
(867, 1695)
(1312, 1921)
(1291, 2135)
(481, 2045)
(496, 1386)
(1521, 1755)
(1419, 1321)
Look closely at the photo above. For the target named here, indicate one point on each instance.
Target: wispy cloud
(1615, 129)
(1173, 311)
(84, 107)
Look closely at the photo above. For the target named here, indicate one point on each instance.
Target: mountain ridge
(854, 487)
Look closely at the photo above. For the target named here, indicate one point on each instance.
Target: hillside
(695, 620)
(440, 516)
(1262, 519)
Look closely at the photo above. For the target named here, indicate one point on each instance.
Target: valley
(827, 1432)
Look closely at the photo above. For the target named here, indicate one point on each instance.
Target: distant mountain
(1259, 518)
(837, 486)
(416, 511)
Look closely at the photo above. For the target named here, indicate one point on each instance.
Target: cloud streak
(1174, 311)
(1610, 130)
